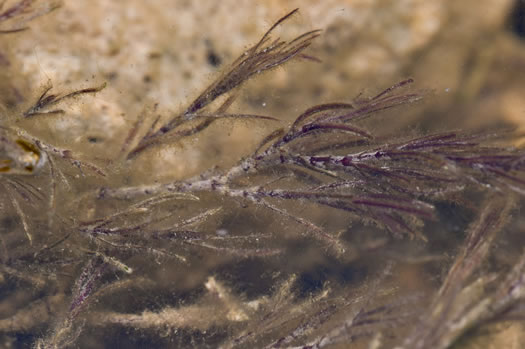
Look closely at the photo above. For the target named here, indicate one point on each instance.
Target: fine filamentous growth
(232, 257)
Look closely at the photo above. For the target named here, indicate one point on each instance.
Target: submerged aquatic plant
(326, 159)
(22, 154)
(15, 16)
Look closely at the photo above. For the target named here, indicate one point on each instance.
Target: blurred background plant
(196, 268)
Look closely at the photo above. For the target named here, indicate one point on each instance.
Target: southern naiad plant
(326, 158)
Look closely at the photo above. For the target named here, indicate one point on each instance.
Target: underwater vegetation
(303, 243)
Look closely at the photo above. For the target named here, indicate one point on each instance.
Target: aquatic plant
(119, 256)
